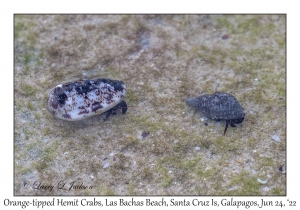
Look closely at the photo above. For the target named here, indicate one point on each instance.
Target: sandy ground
(160, 146)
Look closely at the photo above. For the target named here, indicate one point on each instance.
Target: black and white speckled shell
(217, 106)
(85, 98)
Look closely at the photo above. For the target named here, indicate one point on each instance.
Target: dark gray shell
(218, 106)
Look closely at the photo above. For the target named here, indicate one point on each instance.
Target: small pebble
(233, 188)
(276, 138)
(106, 165)
(144, 134)
(262, 181)
(197, 148)
(225, 37)
(282, 170)
(266, 189)
(203, 119)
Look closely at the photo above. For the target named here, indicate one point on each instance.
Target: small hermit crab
(86, 98)
(219, 106)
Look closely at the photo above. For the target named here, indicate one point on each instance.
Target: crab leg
(227, 121)
(231, 124)
(113, 110)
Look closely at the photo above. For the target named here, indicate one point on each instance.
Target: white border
(153, 6)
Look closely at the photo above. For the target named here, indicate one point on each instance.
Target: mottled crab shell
(217, 106)
(85, 98)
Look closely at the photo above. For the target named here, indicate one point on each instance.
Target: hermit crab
(86, 98)
(219, 106)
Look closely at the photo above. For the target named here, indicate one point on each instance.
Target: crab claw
(113, 111)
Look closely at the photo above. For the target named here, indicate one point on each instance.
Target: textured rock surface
(163, 60)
